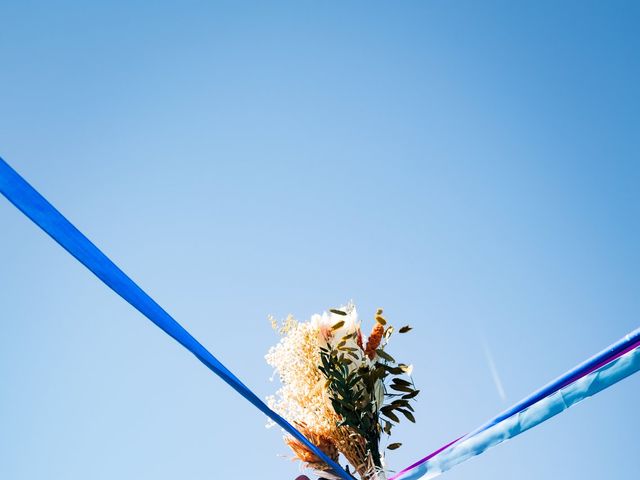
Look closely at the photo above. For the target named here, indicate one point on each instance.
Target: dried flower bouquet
(342, 391)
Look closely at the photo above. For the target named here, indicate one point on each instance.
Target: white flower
(326, 322)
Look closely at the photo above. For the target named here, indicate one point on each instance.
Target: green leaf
(338, 325)
(366, 423)
(387, 427)
(394, 370)
(402, 388)
(385, 355)
(401, 381)
(378, 373)
(411, 395)
(405, 329)
(394, 446)
(338, 312)
(325, 362)
(388, 412)
(407, 414)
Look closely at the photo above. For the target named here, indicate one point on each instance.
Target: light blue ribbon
(534, 415)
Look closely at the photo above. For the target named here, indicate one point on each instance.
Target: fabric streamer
(615, 363)
(629, 342)
(42, 213)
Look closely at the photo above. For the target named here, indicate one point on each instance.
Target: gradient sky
(470, 166)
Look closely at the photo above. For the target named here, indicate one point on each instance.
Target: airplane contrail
(494, 370)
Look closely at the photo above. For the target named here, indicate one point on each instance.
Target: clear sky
(470, 166)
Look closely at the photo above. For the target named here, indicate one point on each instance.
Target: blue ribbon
(527, 418)
(42, 213)
(572, 375)
(536, 406)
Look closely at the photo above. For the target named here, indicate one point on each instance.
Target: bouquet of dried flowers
(341, 390)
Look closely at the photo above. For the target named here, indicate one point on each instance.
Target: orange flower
(374, 340)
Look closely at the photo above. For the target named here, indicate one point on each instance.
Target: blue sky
(470, 166)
